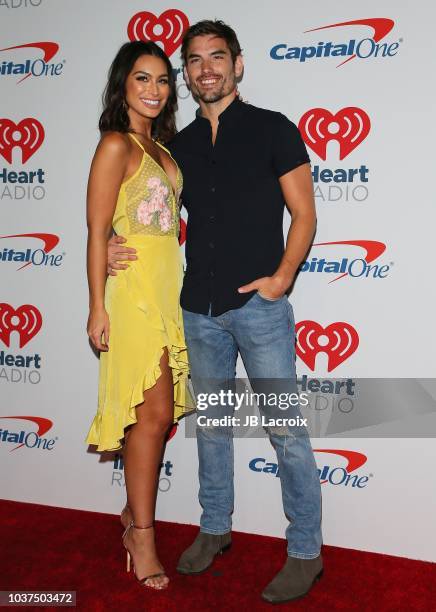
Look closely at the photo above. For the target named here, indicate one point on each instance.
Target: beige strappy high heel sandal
(142, 581)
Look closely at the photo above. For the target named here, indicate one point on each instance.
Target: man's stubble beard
(212, 97)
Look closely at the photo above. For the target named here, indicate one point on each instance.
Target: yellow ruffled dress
(143, 305)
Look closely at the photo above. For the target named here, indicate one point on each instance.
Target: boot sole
(186, 572)
(279, 601)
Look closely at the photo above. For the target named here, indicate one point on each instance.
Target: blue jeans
(263, 332)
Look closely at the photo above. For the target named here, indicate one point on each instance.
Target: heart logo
(340, 342)
(350, 126)
(172, 432)
(26, 320)
(168, 28)
(28, 135)
(182, 234)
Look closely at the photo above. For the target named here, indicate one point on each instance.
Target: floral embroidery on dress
(156, 209)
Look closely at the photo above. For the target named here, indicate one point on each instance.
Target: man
(241, 165)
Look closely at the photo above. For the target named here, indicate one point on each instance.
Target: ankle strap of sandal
(132, 524)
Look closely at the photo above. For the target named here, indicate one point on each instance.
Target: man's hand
(270, 287)
(117, 253)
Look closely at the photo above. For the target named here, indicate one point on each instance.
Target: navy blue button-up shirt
(234, 201)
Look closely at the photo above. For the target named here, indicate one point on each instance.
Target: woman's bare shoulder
(114, 143)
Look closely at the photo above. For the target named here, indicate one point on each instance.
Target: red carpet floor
(45, 548)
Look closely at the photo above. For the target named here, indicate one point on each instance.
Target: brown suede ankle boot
(200, 555)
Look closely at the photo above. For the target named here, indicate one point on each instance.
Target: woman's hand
(98, 328)
(117, 253)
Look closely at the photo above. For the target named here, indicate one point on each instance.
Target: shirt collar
(231, 111)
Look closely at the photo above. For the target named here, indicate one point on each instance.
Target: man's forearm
(299, 238)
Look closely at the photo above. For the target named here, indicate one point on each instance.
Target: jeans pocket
(291, 314)
(267, 299)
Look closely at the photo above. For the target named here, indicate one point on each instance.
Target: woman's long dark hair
(114, 116)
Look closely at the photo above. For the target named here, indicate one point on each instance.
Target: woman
(135, 318)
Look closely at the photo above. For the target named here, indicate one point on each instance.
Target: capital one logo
(27, 135)
(334, 475)
(369, 47)
(349, 127)
(167, 29)
(343, 475)
(32, 439)
(354, 267)
(26, 320)
(40, 67)
(40, 257)
(338, 341)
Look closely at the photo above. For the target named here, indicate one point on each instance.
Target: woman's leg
(142, 457)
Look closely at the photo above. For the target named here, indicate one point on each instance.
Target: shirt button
(212, 218)
(212, 189)
(211, 245)
(213, 162)
(211, 273)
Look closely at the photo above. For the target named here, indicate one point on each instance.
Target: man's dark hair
(216, 28)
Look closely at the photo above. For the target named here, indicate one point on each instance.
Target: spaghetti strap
(162, 147)
(137, 141)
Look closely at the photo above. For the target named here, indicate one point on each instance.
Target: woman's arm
(108, 169)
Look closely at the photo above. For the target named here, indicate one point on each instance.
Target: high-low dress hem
(102, 434)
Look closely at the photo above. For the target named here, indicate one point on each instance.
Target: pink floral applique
(156, 203)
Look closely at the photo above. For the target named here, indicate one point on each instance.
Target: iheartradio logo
(26, 320)
(338, 340)
(28, 135)
(167, 29)
(349, 127)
